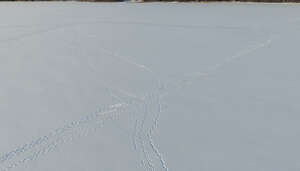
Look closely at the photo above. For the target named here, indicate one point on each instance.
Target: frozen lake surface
(158, 86)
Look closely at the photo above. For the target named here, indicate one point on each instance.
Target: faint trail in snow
(243, 53)
(146, 159)
(46, 29)
(126, 59)
(147, 115)
(158, 154)
(135, 135)
(151, 141)
(162, 25)
(55, 27)
(140, 141)
(47, 143)
(29, 34)
(149, 164)
(175, 85)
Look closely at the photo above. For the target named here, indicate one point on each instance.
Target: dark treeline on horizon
(270, 1)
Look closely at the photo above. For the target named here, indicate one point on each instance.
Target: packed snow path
(153, 87)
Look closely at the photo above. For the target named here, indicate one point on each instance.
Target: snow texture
(149, 87)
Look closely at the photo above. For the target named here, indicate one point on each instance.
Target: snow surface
(158, 86)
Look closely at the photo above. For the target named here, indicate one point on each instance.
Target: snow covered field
(159, 86)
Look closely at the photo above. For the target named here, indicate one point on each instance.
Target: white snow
(149, 86)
